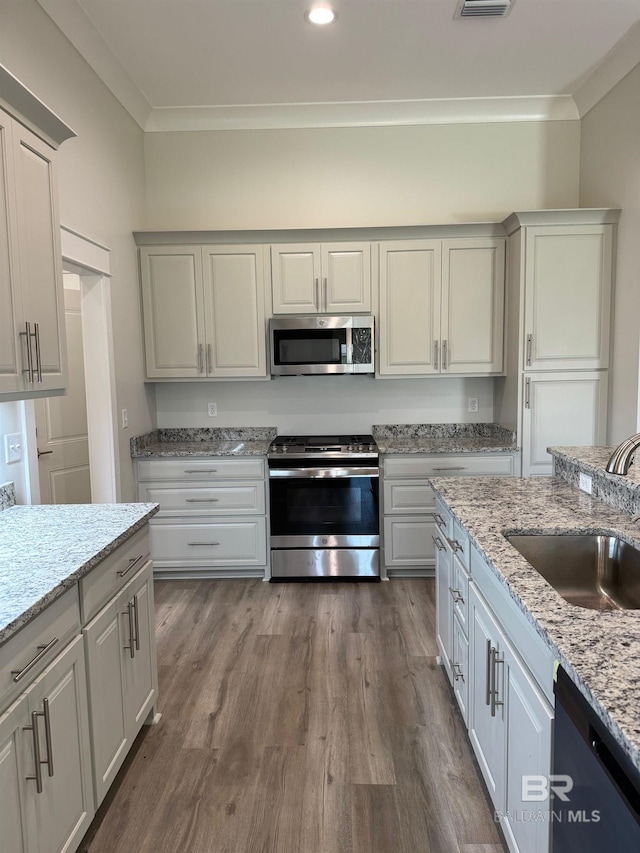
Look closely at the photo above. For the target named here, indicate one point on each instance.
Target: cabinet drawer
(37, 644)
(225, 543)
(408, 542)
(402, 497)
(463, 465)
(212, 468)
(227, 499)
(460, 543)
(103, 582)
(460, 593)
(444, 522)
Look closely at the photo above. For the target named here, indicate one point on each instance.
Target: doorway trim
(91, 262)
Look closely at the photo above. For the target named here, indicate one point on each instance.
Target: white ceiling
(184, 63)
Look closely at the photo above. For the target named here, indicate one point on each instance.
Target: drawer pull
(456, 595)
(202, 543)
(451, 468)
(438, 543)
(454, 544)
(439, 519)
(457, 671)
(18, 674)
(132, 563)
(200, 470)
(202, 500)
(33, 728)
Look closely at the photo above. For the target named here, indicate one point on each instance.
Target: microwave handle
(349, 341)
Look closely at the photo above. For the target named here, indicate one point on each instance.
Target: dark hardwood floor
(298, 718)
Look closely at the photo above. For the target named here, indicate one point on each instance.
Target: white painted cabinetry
(441, 307)
(212, 520)
(203, 309)
(321, 278)
(408, 503)
(32, 333)
(560, 271)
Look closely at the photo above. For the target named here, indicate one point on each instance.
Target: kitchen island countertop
(45, 550)
(599, 650)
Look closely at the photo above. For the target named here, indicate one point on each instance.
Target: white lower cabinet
(120, 651)
(46, 797)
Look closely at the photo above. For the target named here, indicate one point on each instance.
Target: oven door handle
(321, 473)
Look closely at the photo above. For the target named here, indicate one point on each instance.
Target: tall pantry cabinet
(559, 286)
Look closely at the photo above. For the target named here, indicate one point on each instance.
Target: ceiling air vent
(483, 8)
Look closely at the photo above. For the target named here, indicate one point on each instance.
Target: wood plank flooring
(298, 718)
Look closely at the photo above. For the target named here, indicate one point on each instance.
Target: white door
(346, 278)
(62, 433)
(561, 409)
(444, 605)
(11, 379)
(13, 785)
(295, 278)
(410, 283)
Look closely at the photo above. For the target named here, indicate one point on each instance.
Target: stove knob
(350, 448)
(283, 449)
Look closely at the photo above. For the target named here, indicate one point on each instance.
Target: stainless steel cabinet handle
(435, 357)
(194, 544)
(456, 595)
(454, 544)
(438, 543)
(326, 294)
(487, 700)
(495, 702)
(439, 519)
(317, 293)
(136, 623)
(457, 671)
(132, 563)
(529, 342)
(200, 470)
(38, 353)
(33, 728)
(527, 393)
(18, 674)
(451, 468)
(444, 355)
(200, 359)
(132, 637)
(29, 368)
(47, 736)
(209, 362)
(202, 500)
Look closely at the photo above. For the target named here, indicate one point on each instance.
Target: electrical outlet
(12, 448)
(212, 410)
(473, 404)
(125, 419)
(585, 483)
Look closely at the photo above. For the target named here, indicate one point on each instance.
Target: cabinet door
(295, 278)
(460, 668)
(141, 681)
(472, 306)
(346, 278)
(40, 257)
(64, 809)
(235, 330)
(173, 311)
(529, 723)
(13, 784)
(10, 363)
(408, 541)
(106, 638)
(487, 719)
(444, 606)
(410, 281)
(562, 409)
(567, 297)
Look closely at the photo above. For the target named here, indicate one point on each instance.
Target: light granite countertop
(444, 438)
(175, 442)
(599, 650)
(45, 550)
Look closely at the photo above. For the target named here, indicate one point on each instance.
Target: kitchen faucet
(622, 456)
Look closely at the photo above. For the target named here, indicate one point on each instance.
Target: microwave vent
(483, 8)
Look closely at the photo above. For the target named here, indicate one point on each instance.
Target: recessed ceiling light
(320, 15)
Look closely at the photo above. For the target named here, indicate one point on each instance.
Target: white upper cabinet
(203, 309)
(441, 307)
(567, 297)
(326, 278)
(32, 345)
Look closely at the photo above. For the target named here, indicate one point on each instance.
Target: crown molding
(572, 216)
(30, 111)
(363, 114)
(620, 60)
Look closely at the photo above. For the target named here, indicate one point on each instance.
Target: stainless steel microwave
(315, 345)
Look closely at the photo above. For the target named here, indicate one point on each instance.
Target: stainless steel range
(324, 507)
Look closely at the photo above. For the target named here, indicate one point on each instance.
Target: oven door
(324, 520)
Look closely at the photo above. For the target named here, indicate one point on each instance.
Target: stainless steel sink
(598, 572)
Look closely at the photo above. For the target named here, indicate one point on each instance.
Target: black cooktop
(323, 443)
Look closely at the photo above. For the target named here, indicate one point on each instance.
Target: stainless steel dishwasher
(596, 806)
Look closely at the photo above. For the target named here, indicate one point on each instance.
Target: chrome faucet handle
(622, 456)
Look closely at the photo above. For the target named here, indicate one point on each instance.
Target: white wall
(11, 422)
(101, 184)
(610, 177)
(323, 404)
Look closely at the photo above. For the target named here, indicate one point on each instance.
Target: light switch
(12, 448)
